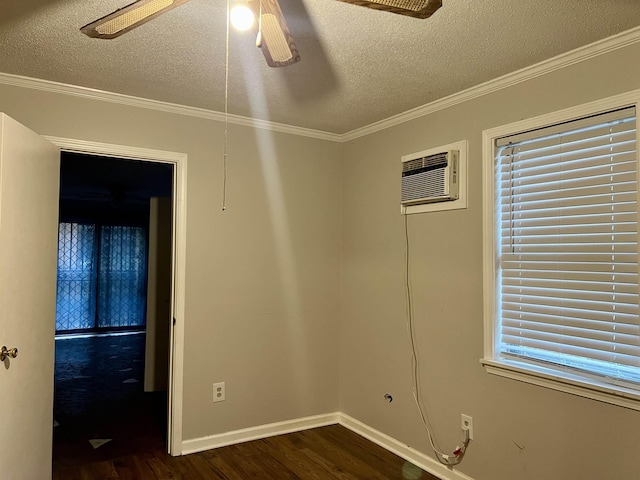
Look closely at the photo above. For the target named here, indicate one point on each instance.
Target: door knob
(8, 352)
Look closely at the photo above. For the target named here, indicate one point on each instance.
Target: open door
(29, 183)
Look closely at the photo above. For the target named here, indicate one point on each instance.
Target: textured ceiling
(358, 66)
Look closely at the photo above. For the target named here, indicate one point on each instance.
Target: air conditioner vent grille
(430, 178)
(421, 185)
(439, 160)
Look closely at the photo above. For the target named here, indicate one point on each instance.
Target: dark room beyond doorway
(108, 400)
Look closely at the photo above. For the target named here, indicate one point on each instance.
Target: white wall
(564, 437)
(262, 278)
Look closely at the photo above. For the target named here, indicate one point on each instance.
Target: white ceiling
(358, 65)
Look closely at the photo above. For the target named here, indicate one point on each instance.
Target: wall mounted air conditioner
(429, 179)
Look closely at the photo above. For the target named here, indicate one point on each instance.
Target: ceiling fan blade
(128, 18)
(274, 38)
(410, 8)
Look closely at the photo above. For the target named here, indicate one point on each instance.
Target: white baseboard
(256, 433)
(412, 455)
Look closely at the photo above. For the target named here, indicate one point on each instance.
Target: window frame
(520, 370)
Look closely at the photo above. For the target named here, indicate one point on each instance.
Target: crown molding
(615, 42)
(94, 94)
(563, 60)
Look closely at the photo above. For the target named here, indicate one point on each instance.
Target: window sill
(567, 383)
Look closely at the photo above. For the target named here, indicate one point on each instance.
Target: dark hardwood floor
(326, 453)
(99, 394)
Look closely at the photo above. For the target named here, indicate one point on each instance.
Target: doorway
(126, 337)
(112, 340)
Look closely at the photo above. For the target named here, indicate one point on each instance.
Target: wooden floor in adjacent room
(325, 453)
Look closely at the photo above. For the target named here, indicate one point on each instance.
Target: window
(76, 260)
(102, 275)
(561, 248)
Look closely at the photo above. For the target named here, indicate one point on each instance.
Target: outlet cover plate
(219, 393)
(466, 423)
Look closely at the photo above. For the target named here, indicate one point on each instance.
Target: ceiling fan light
(127, 18)
(241, 17)
(410, 8)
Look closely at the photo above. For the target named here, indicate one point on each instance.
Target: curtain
(102, 277)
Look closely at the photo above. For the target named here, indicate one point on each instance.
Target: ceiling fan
(274, 38)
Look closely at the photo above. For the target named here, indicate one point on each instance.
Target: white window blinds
(568, 247)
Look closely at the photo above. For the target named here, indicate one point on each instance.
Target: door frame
(179, 233)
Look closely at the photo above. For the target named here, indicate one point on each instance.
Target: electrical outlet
(466, 423)
(218, 392)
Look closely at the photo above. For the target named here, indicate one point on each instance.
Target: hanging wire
(458, 454)
(415, 367)
(226, 113)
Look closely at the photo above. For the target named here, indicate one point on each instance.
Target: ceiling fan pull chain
(226, 113)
